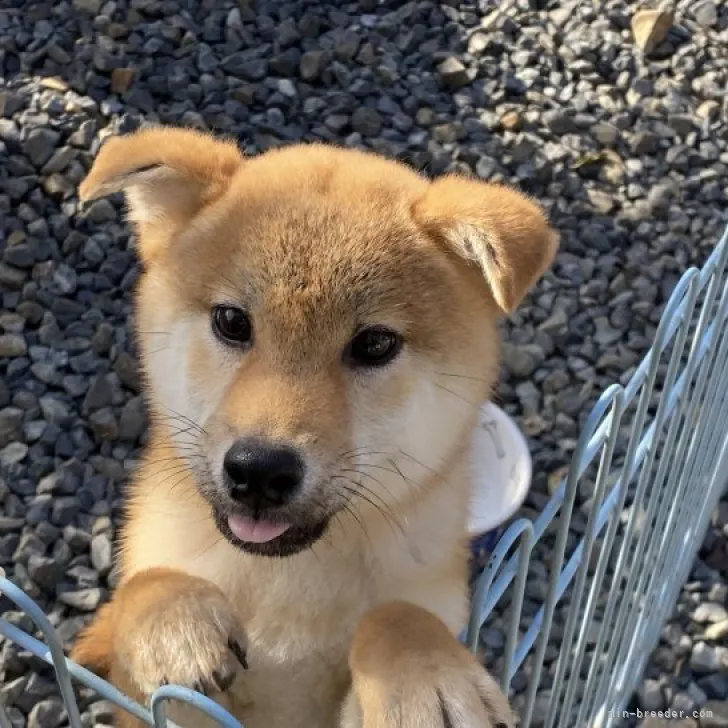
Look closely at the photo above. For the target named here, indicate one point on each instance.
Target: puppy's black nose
(262, 475)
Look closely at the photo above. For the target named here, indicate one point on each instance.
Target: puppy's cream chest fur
(300, 612)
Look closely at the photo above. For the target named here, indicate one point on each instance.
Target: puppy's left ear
(502, 231)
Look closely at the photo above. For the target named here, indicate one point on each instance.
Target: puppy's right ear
(168, 176)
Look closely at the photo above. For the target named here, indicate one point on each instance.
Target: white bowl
(503, 468)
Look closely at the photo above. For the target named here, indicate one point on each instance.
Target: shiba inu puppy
(318, 327)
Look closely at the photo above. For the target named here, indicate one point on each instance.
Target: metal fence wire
(620, 532)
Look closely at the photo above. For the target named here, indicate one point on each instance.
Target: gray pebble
(132, 422)
(366, 121)
(12, 345)
(45, 571)
(706, 14)
(11, 420)
(85, 600)
(651, 696)
(104, 424)
(706, 658)
(40, 145)
(48, 713)
(101, 553)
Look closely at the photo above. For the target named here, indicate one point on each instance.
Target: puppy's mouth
(268, 537)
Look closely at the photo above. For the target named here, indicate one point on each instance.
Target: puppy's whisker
(187, 450)
(177, 428)
(182, 470)
(186, 419)
(173, 459)
(183, 442)
(360, 472)
(376, 480)
(376, 466)
(382, 508)
(353, 449)
(164, 468)
(180, 429)
(347, 507)
(420, 463)
(170, 471)
(184, 479)
(359, 452)
(181, 454)
(401, 474)
(464, 376)
(177, 479)
(385, 505)
(434, 472)
(181, 446)
(458, 395)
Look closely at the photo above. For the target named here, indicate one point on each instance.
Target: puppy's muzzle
(260, 475)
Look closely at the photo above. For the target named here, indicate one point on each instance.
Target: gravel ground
(628, 152)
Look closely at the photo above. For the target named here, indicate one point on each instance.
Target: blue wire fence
(650, 467)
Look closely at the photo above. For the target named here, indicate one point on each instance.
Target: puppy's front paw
(408, 671)
(191, 637)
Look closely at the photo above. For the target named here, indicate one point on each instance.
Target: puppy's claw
(239, 653)
(222, 682)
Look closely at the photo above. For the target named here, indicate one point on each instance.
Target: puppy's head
(317, 325)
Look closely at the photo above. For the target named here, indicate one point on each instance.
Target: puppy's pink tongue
(250, 531)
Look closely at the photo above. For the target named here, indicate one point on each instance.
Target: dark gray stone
(48, 713)
(453, 73)
(366, 121)
(40, 145)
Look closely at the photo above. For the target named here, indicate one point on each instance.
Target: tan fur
(313, 242)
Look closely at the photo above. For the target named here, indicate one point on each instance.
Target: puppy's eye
(231, 324)
(373, 347)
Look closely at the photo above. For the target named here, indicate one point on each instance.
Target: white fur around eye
(167, 367)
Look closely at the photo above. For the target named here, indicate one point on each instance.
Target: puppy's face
(317, 325)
